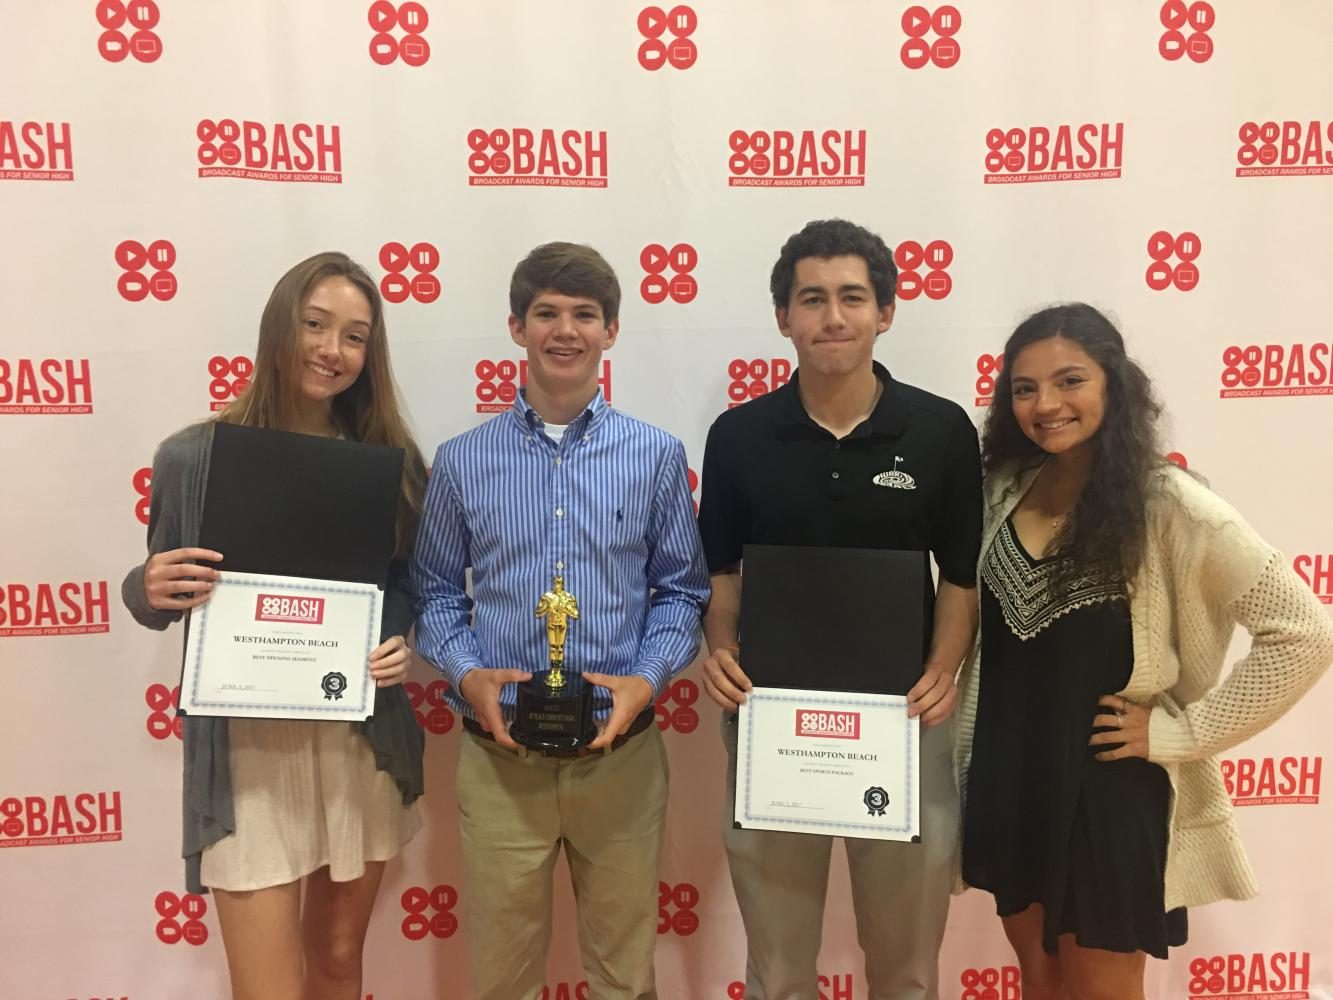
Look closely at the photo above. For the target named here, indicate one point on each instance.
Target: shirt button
(837, 445)
(560, 512)
(558, 461)
(835, 475)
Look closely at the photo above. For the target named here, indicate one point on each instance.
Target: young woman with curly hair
(1112, 582)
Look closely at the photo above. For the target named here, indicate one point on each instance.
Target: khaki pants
(515, 812)
(900, 891)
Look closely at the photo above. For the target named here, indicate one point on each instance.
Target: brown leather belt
(641, 722)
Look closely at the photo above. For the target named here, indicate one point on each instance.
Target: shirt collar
(527, 418)
(889, 416)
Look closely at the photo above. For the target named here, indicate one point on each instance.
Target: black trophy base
(554, 718)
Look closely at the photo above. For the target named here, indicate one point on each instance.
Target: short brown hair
(570, 269)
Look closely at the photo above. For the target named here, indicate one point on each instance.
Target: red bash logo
(292, 610)
(755, 377)
(830, 158)
(35, 151)
(1256, 976)
(1177, 18)
(828, 725)
(74, 608)
(181, 918)
(566, 991)
(1004, 983)
(838, 987)
(1277, 370)
(657, 285)
(1317, 572)
(161, 702)
(1273, 781)
(430, 912)
(430, 707)
(679, 50)
(1270, 149)
(397, 285)
(988, 370)
(385, 47)
(34, 386)
(683, 898)
(544, 158)
(142, 43)
(919, 23)
(934, 258)
(230, 378)
(142, 481)
(60, 820)
(1088, 152)
(134, 258)
(683, 718)
(498, 383)
(279, 152)
(1163, 248)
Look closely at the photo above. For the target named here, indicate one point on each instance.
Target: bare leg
(261, 931)
(334, 932)
(1095, 974)
(1042, 978)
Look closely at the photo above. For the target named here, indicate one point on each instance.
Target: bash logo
(280, 152)
(35, 151)
(60, 820)
(230, 378)
(133, 256)
(1162, 246)
(293, 610)
(54, 608)
(680, 51)
(1176, 17)
(423, 286)
(385, 47)
(143, 44)
(1088, 152)
(828, 725)
(684, 898)
(430, 912)
(1277, 370)
(988, 369)
(1317, 572)
(1004, 983)
(1273, 149)
(182, 918)
(45, 386)
(798, 159)
(934, 258)
(160, 701)
(430, 707)
(142, 481)
(918, 50)
(545, 158)
(498, 383)
(684, 718)
(566, 991)
(755, 377)
(1275, 976)
(680, 285)
(1273, 781)
(840, 987)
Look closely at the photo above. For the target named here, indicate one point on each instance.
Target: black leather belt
(641, 722)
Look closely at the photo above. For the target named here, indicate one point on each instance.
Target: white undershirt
(555, 431)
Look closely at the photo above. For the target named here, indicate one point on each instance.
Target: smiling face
(564, 336)
(831, 318)
(1058, 395)
(334, 326)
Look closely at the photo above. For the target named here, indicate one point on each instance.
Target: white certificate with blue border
(282, 647)
(835, 763)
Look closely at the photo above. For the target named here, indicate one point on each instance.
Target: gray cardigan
(180, 472)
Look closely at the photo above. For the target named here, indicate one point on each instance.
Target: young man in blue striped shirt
(561, 484)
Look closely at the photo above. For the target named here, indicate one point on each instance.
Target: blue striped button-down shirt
(608, 508)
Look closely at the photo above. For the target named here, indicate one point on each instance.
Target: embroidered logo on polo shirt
(894, 478)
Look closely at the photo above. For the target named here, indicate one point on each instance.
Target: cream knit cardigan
(1204, 571)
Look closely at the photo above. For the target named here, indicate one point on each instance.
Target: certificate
(282, 647)
(836, 763)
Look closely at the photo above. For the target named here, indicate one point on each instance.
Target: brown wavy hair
(368, 410)
(1108, 524)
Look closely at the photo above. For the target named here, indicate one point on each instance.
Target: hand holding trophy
(554, 709)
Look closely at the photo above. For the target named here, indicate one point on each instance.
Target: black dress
(1046, 822)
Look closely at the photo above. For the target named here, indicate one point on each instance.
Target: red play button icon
(383, 15)
(916, 21)
(1161, 245)
(652, 22)
(393, 257)
(654, 258)
(110, 14)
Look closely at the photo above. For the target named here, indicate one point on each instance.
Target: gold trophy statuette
(554, 710)
(557, 606)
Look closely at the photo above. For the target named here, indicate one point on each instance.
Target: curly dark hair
(826, 238)
(1107, 526)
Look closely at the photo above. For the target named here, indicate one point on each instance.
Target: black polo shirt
(908, 477)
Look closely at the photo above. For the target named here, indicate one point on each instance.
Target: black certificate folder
(298, 505)
(832, 619)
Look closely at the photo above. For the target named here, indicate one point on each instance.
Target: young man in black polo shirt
(845, 456)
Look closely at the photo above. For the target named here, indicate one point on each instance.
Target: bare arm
(933, 697)
(723, 678)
